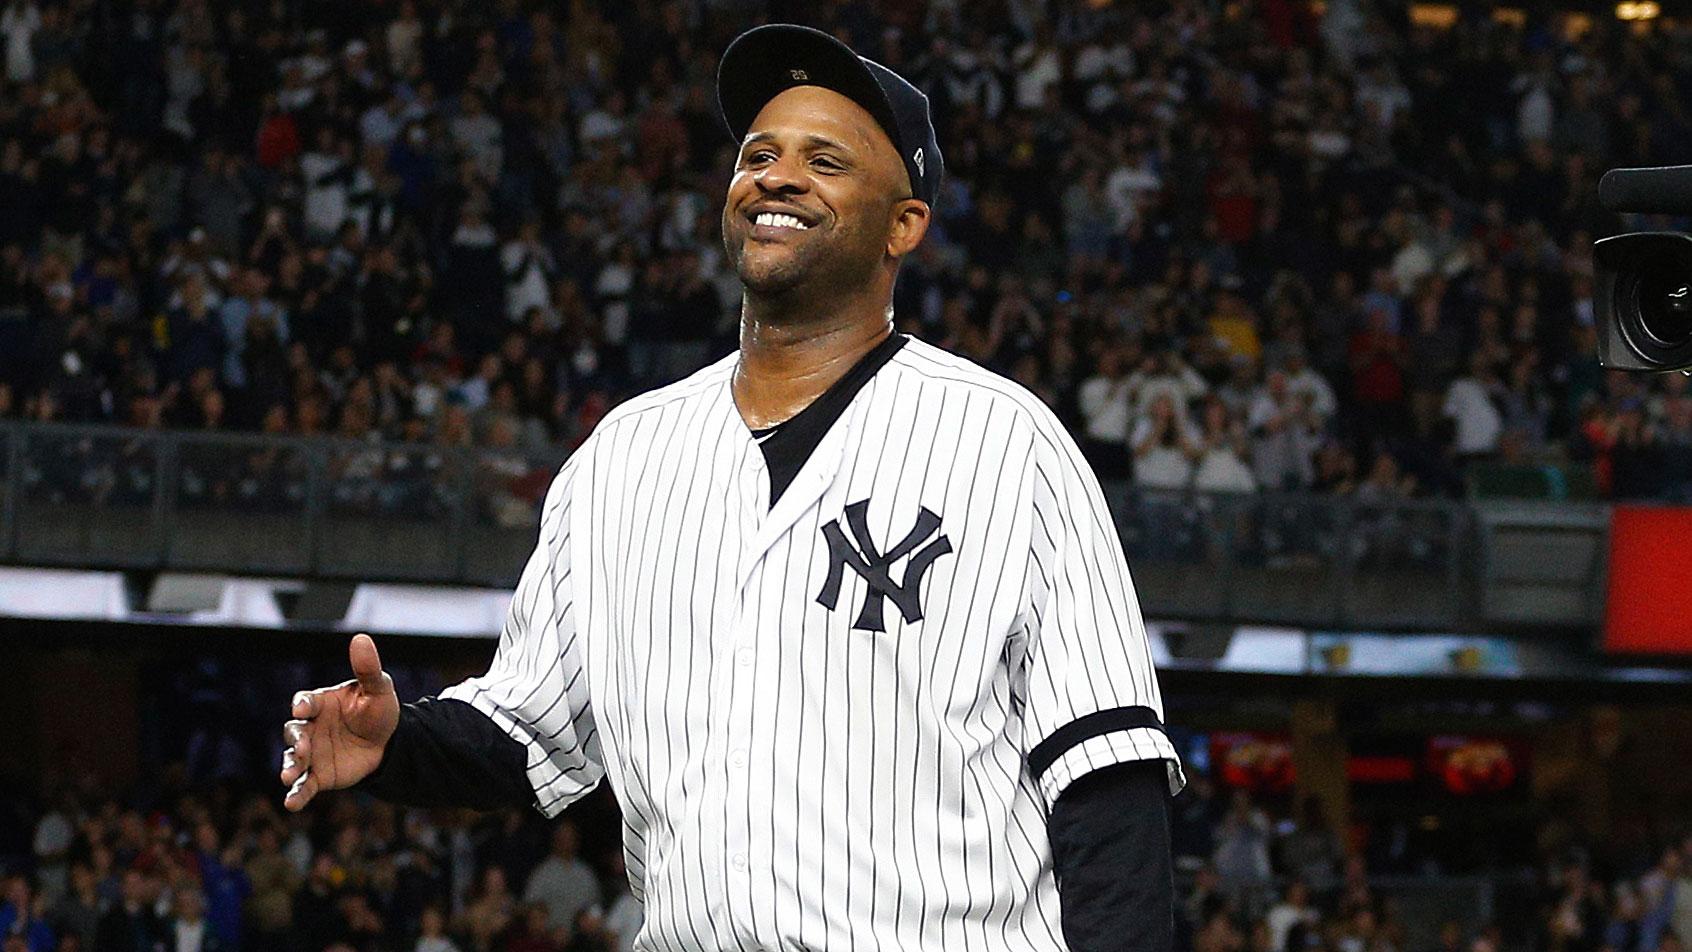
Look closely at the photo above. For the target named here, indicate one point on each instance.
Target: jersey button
(739, 861)
(745, 655)
(737, 758)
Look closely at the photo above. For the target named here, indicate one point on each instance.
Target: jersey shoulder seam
(1040, 417)
(662, 397)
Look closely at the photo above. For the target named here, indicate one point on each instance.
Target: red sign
(1261, 763)
(1468, 765)
(1650, 580)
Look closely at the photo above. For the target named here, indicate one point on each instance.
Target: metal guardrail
(1298, 558)
(321, 507)
(325, 507)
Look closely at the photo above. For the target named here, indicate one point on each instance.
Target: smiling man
(842, 618)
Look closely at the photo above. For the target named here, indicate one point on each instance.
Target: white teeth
(779, 220)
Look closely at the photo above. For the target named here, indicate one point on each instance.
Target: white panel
(63, 593)
(427, 610)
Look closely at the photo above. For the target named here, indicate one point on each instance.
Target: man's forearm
(1110, 846)
(446, 753)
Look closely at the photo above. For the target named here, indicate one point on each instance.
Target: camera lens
(1644, 300)
(1665, 309)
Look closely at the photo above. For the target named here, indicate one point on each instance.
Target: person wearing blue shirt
(18, 916)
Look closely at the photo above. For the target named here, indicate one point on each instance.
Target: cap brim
(764, 61)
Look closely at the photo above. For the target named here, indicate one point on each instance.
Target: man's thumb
(366, 663)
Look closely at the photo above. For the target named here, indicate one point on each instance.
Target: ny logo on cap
(873, 566)
(799, 75)
(918, 158)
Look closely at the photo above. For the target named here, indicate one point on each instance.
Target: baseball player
(843, 618)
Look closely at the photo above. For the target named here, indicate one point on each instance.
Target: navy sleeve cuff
(445, 753)
(1102, 739)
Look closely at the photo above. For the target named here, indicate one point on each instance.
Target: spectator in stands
(1635, 454)
(77, 911)
(1303, 380)
(1680, 919)
(248, 315)
(274, 881)
(1242, 854)
(489, 911)
(23, 914)
(1217, 931)
(1386, 482)
(529, 271)
(19, 24)
(1378, 358)
(1312, 851)
(131, 922)
(562, 882)
(1470, 404)
(1165, 373)
(1579, 919)
(316, 918)
(1293, 911)
(218, 197)
(432, 935)
(224, 885)
(1525, 402)
(530, 933)
(1623, 930)
(187, 929)
(1222, 452)
(1107, 412)
(1286, 430)
(51, 843)
(474, 275)
(1165, 446)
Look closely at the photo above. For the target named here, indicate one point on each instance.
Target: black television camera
(1644, 292)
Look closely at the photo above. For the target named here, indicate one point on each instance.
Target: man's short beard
(806, 279)
(783, 279)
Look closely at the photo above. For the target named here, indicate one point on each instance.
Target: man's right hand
(338, 734)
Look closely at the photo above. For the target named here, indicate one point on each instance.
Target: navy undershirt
(788, 444)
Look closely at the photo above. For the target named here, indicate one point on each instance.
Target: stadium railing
(322, 507)
(93, 496)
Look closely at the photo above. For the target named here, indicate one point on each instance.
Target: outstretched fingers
(296, 754)
(300, 793)
(296, 733)
(307, 704)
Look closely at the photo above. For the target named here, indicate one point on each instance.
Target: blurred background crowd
(1237, 248)
(202, 865)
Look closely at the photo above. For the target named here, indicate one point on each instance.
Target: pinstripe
(667, 761)
(893, 761)
(867, 400)
(967, 604)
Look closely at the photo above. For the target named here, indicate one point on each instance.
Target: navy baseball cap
(765, 60)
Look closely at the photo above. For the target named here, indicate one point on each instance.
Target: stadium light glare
(1636, 10)
(1441, 16)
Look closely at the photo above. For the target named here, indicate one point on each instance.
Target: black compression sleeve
(1110, 846)
(446, 753)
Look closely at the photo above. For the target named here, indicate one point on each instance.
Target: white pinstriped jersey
(839, 721)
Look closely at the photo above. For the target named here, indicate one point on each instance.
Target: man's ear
(910, 223)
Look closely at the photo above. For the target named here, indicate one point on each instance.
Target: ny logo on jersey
(873, 567)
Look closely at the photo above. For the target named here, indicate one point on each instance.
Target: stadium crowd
(181, 865)
(1238, 248)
